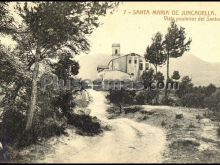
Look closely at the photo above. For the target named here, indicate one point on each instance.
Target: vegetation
(176, 75)
(121, 98)
(46, 32)
(154, 53)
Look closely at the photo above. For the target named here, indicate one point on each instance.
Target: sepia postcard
(109, 82)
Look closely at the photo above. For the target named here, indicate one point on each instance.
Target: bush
(10, 130)
(121, 97)
(132, 109)
(167, 101)
(146, 97)
(13, 132)
(213, 101)
(140, 98)
(85, 124)
(195, 100)
(179, 116)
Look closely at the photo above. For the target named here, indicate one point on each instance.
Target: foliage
(154, 53)
(132, 109)
(159, 77)
(176, 75)
(146, 97)
(148, 78)
(210, 89)
(121, 97)
(175, 45)
(185, 86)
(195, 100)
(198, 97)
(46, 30)
(6, 19)
(168, 101)
(213, 101)
(85, 124)
(65, 67)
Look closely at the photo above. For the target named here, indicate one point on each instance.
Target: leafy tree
(175, 45)
(213, 101)
(154, 53)
(121, 97)
(50, 27)
(210, 89)
(66, 68)
(6, 25)
(195, 100)
(185, 86)
(150, 91)
(148, 77)
(159, 76)
(176, 75)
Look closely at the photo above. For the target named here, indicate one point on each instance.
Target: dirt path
(127, 142)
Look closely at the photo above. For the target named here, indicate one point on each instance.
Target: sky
(134, 31)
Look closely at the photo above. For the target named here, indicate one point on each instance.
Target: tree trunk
(156, 69)
(33, 91)
(168, 77)
(168, 66)
(120, 108)
(156, 99)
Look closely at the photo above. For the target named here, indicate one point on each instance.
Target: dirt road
(127, 142)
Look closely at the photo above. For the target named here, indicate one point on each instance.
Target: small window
(135, 60)
(129, 60)
(141, 66)
(116, 51)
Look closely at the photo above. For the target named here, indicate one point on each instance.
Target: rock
(205, 121)
(179, 116)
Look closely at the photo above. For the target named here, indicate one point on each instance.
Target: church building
(129, 66)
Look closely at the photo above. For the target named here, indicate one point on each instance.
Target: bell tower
(115, 50)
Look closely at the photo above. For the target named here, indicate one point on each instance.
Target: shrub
(10, 130)
(121, 97)
(132, 109)
(213, 101)
(85, 124)
(193, 100)
(179, 116)
(167, 101)
(146, 97)
(140, 98)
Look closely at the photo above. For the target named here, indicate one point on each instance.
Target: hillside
(202, 72)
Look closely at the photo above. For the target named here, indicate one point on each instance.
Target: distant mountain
(89, 62)
(201, 72)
